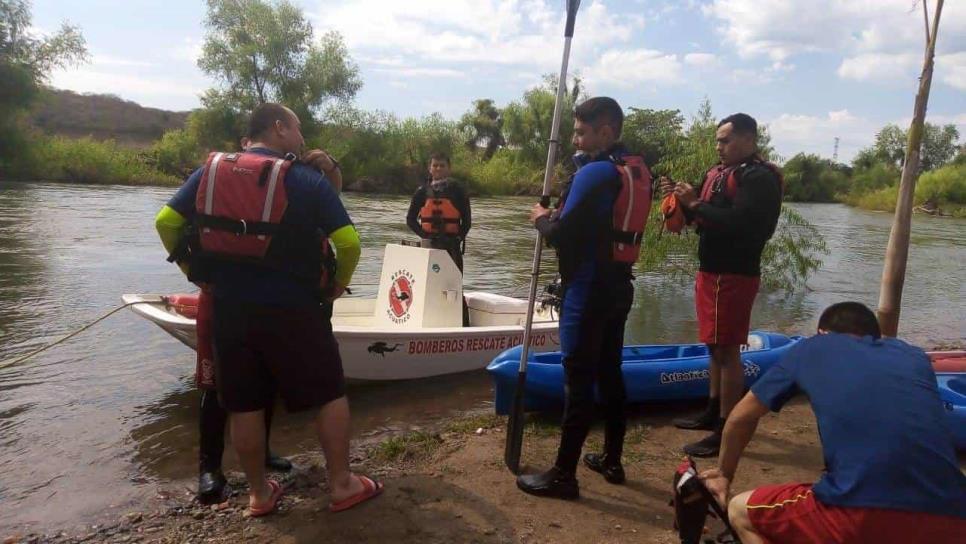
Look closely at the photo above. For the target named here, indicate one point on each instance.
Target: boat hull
(952, 392)
(375, 354)
(651, 373)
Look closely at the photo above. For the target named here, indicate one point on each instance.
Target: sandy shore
(449, 485)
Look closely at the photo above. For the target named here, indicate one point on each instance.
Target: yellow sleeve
(171, 225)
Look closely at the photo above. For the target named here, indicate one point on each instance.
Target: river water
(98, 423)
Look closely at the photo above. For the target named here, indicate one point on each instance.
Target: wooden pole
(897, 253)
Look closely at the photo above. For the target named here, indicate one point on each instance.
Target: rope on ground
(22, 358)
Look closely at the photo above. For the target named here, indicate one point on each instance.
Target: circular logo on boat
(400, 296)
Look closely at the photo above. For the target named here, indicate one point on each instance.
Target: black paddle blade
(514, 427)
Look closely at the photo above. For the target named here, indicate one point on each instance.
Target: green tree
(652, 133)
(691, 155)
(265, 52)
(485, 123)
(526, 123)
(810, 178)
(890, 144)
(26, 62)
(938, 146)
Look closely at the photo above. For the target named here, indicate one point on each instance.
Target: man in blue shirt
(891, 474)
(259, 220)
(597, 295)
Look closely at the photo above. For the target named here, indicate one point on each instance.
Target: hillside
(103, 117)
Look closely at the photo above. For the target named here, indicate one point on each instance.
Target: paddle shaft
(514, 435)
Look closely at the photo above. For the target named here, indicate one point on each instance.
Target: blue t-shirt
(884, 435)
(311, 201)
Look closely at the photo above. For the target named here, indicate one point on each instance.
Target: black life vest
(721, 182)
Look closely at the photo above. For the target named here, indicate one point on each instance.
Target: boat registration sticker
(400, 296)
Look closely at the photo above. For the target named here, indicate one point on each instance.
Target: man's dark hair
(601, 110)
(741, 123)
(263, 118)
(850, 318)
(439, 156)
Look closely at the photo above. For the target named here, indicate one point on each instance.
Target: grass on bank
(84, 160)
(944, 187)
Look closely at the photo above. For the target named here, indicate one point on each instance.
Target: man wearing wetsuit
(597, 295)
(736, 211)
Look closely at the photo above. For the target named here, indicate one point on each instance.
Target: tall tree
(26, 62)
(652, 132)
(526, 122)
(897, 252)
(485, 123)
(265, 52)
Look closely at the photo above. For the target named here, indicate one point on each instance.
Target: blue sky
(809, 69)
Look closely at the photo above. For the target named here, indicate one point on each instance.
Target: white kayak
(412, 329)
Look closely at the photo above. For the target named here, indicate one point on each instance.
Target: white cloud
(700, 59)
(423, 72)
(626, 68)
(951, 70)
(145, 90)
(109, 60)
(880, 66)
(519, 32)
(791, 27)
(792, 133)
(189, 49)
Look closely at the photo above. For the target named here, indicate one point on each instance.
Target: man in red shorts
(891, 474)
(736, 212)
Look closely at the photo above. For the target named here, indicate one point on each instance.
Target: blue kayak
(952, 391)
(651, 373)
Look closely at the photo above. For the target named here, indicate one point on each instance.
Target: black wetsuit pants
(596, 359)
(211, 429)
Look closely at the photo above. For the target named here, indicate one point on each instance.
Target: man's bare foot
(349, 486)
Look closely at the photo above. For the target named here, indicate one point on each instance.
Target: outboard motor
(552, 294)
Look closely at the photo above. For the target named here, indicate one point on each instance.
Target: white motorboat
(412, 329)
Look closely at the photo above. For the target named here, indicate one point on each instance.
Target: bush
(789, 258)
(86, 160)
(946, 185)
(177, 153)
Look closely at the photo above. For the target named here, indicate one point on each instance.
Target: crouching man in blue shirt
(890, 470)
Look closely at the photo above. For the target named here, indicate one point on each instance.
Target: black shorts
(262, 349)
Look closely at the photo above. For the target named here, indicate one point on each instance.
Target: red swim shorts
(790, 514)
(723, 303)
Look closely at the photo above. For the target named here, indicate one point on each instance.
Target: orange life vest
(439, 216)
(632, 207)
(672, 214)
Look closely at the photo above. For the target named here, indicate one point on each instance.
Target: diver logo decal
(400, 296)
(382, 348)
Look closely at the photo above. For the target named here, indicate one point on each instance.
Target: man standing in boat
(595, 262)
(439, 212)
(891, 473)
(736, 211)
(259, 223)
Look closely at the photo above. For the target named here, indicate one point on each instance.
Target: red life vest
(239, 207)
(723, 180)
(439, 216)
(240, 203)
(632, 207)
